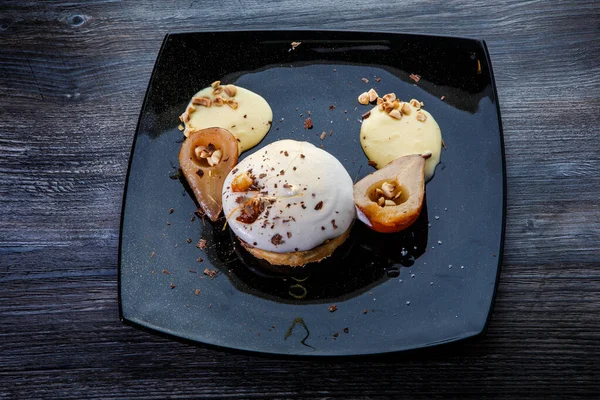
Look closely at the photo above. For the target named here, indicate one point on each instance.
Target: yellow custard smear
(242, 112)
(384, 137)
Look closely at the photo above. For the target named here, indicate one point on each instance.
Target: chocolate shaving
(319, 205)
(251, 211)
(277, 239)
(372, 163)
(308, 123)
(289, 235)
(366, 115)
(262, 176)
(333, 308)
(332, 107)
(333, 224)
(200, 173)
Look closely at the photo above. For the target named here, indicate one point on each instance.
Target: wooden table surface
(72, 81)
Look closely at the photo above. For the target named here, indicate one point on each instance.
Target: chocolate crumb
(322, 228)
(336, 335)
(201, 244)
(377, 79)
(277, 239)
(199, 259)
(295, 249)
(308, 123)
(332, 107)
(189, 240)
(333, 224)
(313, 195)
(333, 308)
(289, 234)
(245, 115)
(444, 145)
(172, 285)
(365, 311)
(372, 163)
(294, 168)
(282, 172)
(197, 292)
(319, 205)
(164, 271)
(345, 330)
(171, 210)
(302, 156)
(285, 153)
(262, 176)
(366, 115)
(234, 170)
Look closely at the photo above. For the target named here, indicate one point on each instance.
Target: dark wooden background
(72, 81)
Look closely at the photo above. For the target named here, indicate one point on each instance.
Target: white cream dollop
(307, 193)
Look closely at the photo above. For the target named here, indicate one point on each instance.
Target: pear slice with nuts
(206, 158)
(391, 199)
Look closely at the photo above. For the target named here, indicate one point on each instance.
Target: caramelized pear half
(206, 158)
(391, 198)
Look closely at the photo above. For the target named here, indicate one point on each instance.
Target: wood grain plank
(72, 80)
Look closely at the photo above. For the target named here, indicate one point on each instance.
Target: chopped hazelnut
(230, 90)
(395, 114)
(416, 103)
(388, 189)
(405, 108)
(214, 158)
(389, 203)
(218, 90)
(215, 84)
(363, 98)
(389, 97)
(232, 103)
(202, 101)
(218, 101)
(372, 95)
(421, 116)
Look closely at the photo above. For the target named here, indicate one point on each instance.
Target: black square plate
(433, 283)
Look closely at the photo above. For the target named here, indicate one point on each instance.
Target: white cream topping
(384, 138)
(309, 203)
(249, 123)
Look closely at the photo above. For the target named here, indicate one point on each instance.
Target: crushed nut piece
(218, 101)
(185, 117)
(381, 201)
(201, 244)
(230, 90)
(389, 203)
(377, 79)
(365, 80)
(215, 84)
(405, 108)
(366, 115)
(363, 98)
(395, 114)
(426, 155)
(421, 116)
(218, 90)
(388, 189)
(372, 163)
(333, 308)
(295, 44)
(372, 95)
(197, 292)
(416, 103)
(389, 97)
(215, 158)
(308, 123)
(202, 101)
(232, 103)
(415, 77)
(210, 272)
(323, 135)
